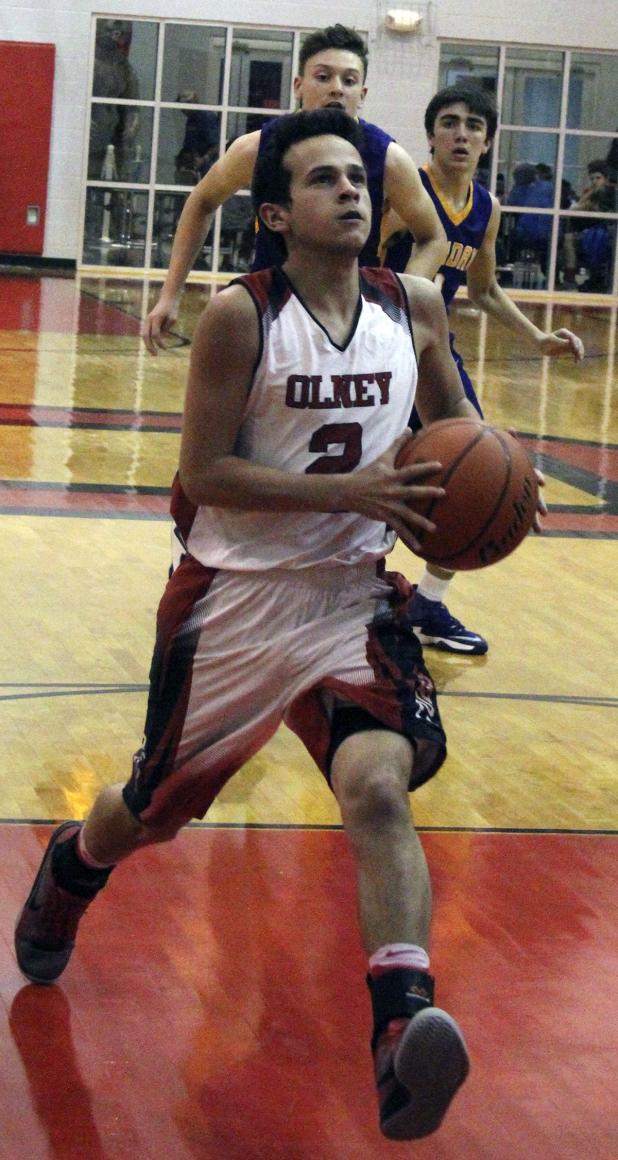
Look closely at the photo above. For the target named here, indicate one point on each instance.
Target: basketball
(491, 493)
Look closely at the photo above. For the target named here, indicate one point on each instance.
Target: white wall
(402, 76)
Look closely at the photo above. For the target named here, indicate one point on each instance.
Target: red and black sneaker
(46, 928)
(419, 1065)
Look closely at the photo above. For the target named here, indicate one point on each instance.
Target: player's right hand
(159, 323)
(382, 491)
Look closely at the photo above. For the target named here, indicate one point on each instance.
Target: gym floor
(215, 1007)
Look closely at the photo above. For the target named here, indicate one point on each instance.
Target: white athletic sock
(86, 858)
(396, 956)
(433, 587)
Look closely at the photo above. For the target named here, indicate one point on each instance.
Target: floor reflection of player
(280, 607)
(263, 890)
(35, 1022)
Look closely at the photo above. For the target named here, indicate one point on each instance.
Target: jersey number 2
(349, 436)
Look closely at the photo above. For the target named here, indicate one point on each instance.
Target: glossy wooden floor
(215, 1008)
(223, 1030)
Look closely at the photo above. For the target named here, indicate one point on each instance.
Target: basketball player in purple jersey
(461, 122)
(333, 69)
(301, 383)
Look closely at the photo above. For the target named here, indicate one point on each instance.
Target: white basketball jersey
(313, 407)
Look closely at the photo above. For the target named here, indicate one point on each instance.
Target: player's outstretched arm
(408, 198)
(230, 173)
(485, 292)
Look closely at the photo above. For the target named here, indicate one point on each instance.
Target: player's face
(332, 78)
(329, 205)
(459, 138)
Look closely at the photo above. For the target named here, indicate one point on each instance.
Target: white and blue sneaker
(435, 626)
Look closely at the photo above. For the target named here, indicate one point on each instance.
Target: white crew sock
(394, 956)
(433, 587)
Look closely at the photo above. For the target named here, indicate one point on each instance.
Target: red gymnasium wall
(26, 89)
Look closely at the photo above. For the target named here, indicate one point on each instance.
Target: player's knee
(374, 797)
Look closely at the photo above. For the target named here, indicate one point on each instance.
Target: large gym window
(167, 98)
(554, 164)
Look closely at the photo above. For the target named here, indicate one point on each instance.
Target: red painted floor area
(215, 1007)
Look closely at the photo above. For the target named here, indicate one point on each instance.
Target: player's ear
(298, 90)
(274, 216)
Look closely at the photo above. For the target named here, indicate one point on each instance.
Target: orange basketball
(491, 493)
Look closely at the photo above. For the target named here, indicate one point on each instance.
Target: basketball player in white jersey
(281, 608)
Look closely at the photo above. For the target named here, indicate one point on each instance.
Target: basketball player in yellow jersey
(301, 382)
(461, 122)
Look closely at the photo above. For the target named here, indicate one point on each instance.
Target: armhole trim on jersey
(260, 319)
(406, 306)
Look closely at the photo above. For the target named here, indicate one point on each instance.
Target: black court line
(41, 689)
(101, 514)
(541, 831)
(506, 360)
(136, 314)
(568, 440)
(104, 514)
(34, 408)
(82, 488)
(181, 344)
(92, 419)
(565, 533)
(72, 691)
(552, 698)
(64, 685)
(604, 490)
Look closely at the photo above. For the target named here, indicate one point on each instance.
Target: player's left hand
(562, 342)
(541, 507)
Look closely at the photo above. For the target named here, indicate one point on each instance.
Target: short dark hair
(335, 36)
(525, 173)
(271, 177)
(599, 166)
(478, 100)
